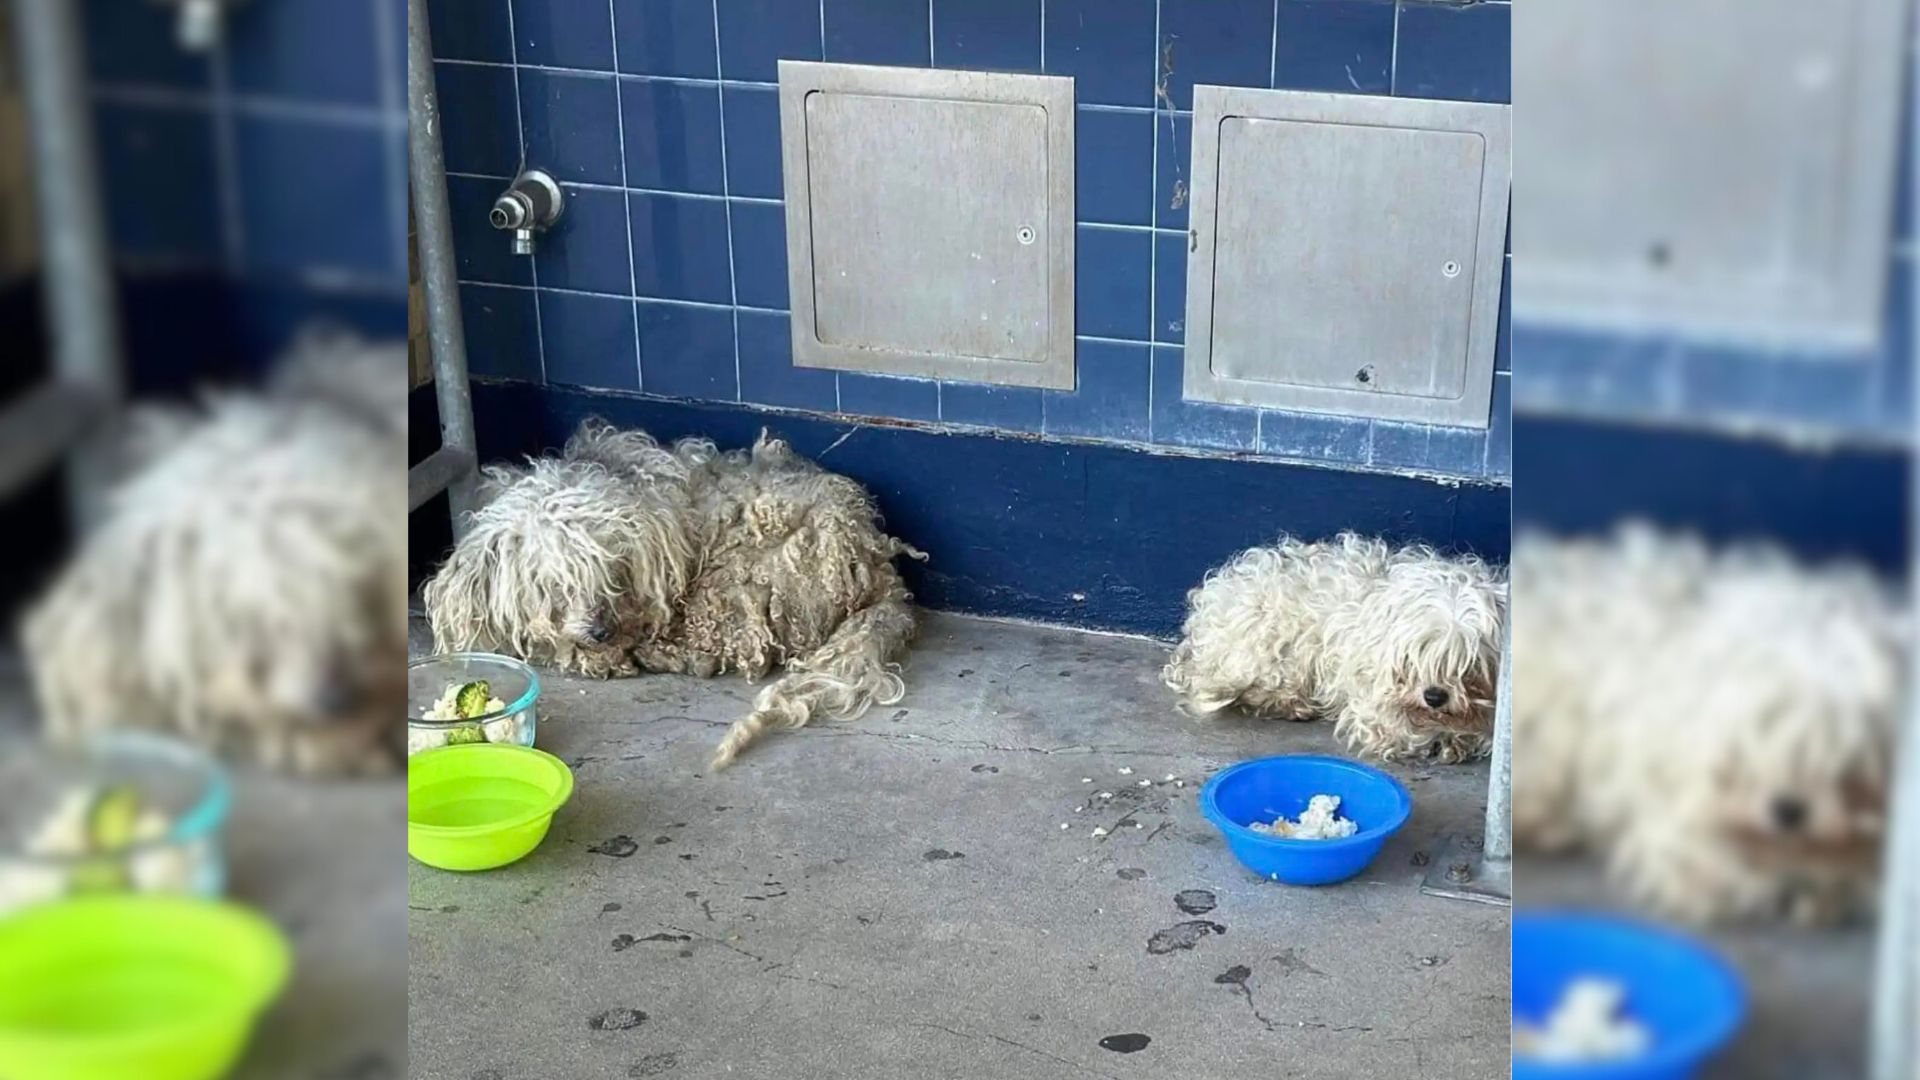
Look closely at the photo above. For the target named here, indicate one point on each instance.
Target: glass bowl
(126, 812)
(513, 683)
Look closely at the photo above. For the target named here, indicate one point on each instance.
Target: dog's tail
(854, 670)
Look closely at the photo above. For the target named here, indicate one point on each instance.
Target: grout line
(823, 56)
(1393, 87)
(392, 102)
(631, 76)
(213, 100)
(733, 280)
(586, 185)
(1155, 110)
(1153, 224)
(1273, 52)
(1043, 37)
(930, 60)
(226, 149)
(626, 204)
(520, 134)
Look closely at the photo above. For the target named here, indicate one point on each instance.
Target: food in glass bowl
(462, 698)
(124, 813)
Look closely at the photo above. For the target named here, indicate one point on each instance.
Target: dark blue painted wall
(1082, 533)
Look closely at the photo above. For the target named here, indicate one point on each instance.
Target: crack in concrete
(1057, 1059)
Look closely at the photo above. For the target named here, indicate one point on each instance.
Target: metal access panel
(1714, 169)
(930, 222)
(1346, 253)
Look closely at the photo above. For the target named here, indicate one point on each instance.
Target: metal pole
(81, 310)
(433, 226)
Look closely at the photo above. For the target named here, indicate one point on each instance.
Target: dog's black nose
(1788, 812)
(599, 632)
(1435, 697)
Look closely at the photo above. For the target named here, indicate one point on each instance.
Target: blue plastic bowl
(1266, 788)
(1689, 999)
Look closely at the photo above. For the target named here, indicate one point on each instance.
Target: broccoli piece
(112, 818)
(466, 733)
(471, 700)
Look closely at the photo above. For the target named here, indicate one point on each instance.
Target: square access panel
(1715, 169)
(1345, 253)
(930, 221)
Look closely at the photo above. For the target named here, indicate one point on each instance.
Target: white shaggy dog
(1717, 725)
(247, 588)
(1401, 647)
(622, 555)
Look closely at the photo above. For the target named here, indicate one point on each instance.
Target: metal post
(1481, 868)
(82, 313)
(433, 225)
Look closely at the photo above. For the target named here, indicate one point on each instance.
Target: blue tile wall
(662, 116)
(280, 157)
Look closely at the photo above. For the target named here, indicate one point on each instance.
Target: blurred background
(1713, 353)
(240, 173)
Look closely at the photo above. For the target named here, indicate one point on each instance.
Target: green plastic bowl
(478, 806)
(113, 987)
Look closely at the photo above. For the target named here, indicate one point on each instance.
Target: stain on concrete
(1194, 901)
(1420, 858)
(618, 847)
(942, 855)
(898, 716)
(1130, 1043)
(1237, 975)
(1431, 961)
(606, 909)
(622, 942)
(658, 840)
(1182, 936)
(963, 673)
(653, 1065)
(1292, 963)
(1129, 873)
(688, 857)
(617, 1020)
(983, 767)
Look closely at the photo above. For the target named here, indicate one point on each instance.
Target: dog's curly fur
(247, 587)
(1717, 725)
(1401, 647)
(622, 555)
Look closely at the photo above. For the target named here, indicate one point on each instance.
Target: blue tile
(877, 31)
(1727, 382)
(760, 253)
(588, 340)
(1500, 431)
(482, 252)
(587, 248)
(664, 37)
(1503, 341)
(479, 125)
(673, 136)
(755, 35)
(313, 198)
(1221, 42)
(1400, 446)
(1110, 400)
(1179, 422)
(307, 50)
(1113, 167)
(469, 30)
(157, 165)
(883, 395)
(1315, 437)
(1170, 288)
(1894, 407)
(563, 33)
(503, 336)
(753, 142)
(1176, 158)
(987, 35)
(767, 374)
(1112, 282)
(572, 125)
(687, 352)
(1457, 451)
(133, 44)
(1594, 373)
(1106, 45)
(680, 248)
(1341, 45)
(1008, 408)
(1459, 52)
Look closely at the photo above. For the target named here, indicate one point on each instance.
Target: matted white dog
(247, 587)
(621, 555)
(1717, 725)
(1400, 647)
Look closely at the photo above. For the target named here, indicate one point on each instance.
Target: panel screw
(1450, 268)
(1471, 843)
(1460, 873)
(1365, 374)
(1025, 235)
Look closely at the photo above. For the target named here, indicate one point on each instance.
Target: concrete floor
(896, 897)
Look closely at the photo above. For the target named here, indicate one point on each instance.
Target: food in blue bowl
(1603, 998)
(1255, 803)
